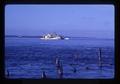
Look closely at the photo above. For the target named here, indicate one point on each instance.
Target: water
(29, 57)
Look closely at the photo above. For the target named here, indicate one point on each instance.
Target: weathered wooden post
(59, 67)
(100, 58)
(57, 62)
(87, 68)
(74, 67)
(8, 74)
(43, 75)
(74, 70)
(60, 71)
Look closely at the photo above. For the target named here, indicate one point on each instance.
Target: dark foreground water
(29, 57)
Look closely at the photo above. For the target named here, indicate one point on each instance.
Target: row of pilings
(59, 66)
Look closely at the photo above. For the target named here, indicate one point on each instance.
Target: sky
(68, 20)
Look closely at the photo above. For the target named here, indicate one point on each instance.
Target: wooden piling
(100, 58)
(59, 67)
(74, 70)
(43, 75)
(57, 62)
(87, 68)
(60, 71)
(8, 74)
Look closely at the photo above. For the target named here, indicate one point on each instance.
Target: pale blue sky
(69, 20)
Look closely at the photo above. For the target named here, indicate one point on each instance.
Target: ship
(53, 36)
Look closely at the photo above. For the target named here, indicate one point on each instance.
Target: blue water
(29, 57)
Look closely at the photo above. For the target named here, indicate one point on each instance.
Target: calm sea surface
(29, 57)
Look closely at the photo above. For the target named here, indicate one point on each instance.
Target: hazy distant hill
(18, 36)
(11, 36)
(22, 36)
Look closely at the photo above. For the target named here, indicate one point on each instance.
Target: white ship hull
(50, 38)
(54, 38)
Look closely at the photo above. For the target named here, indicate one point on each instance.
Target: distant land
(26, 36)
(18, 36)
